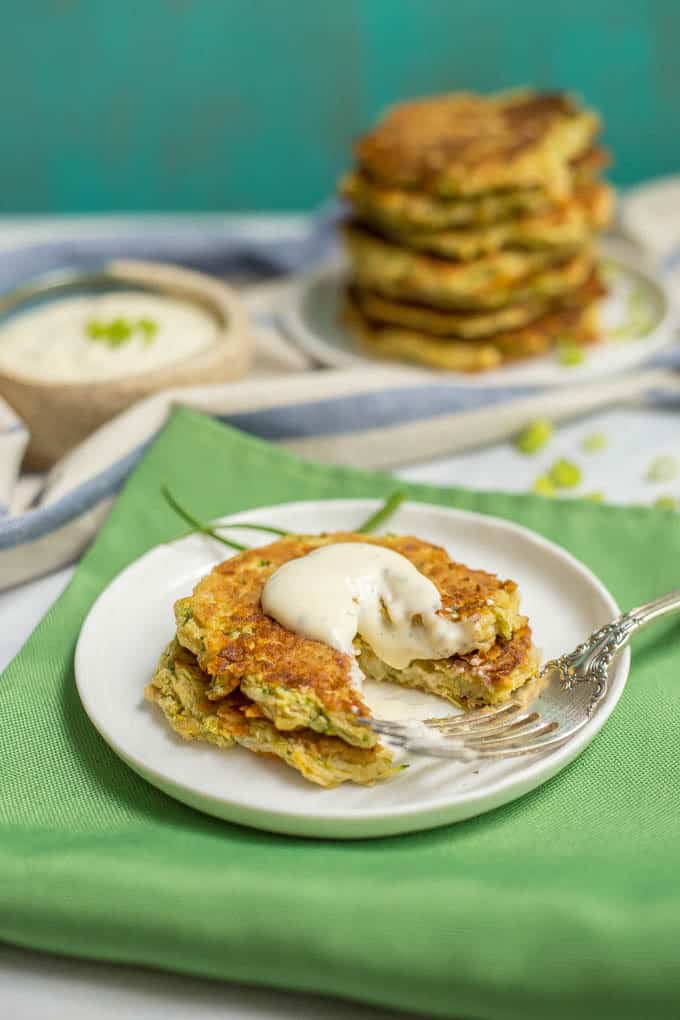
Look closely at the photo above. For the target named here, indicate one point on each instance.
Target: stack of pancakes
(471, 242)
(233, 675)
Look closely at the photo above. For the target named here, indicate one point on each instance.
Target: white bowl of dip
(78, 348)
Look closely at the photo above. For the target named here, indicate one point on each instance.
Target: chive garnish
(197, 525)
(209, 529)
(389, 507)
(205, 528)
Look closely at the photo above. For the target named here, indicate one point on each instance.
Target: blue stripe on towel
(361, 411)
(36, 523)
(349, 414)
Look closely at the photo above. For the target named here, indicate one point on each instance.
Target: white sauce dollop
(349, 588)
(50, 343)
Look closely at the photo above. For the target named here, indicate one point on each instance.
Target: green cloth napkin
(565, 903)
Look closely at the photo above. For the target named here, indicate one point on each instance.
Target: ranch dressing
(51, 343)
(349, 588)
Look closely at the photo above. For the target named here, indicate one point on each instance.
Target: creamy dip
(51, 343)
(349, 588)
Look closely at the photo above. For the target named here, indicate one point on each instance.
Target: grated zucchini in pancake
(576, 323)
(479, 678)
(469, 325)
(402, 210)
(498, 279)
(301, 683)
(568, 225)
(179, 689)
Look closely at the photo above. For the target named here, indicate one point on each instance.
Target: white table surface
(33, 985)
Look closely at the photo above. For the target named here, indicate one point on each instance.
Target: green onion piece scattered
(662, 469)
(564, 474)
(595, 442)
(95, 329)
(595, 497)
(148, 328)
(625, 331)
(119, 332)
(609, 270)
(570, 354)
(389, 507)
(543, 486)
(666, 503)
(640, 318)
(637, 301)
(534, 436)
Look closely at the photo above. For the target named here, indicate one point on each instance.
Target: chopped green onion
(570, 354)
(564, 474)
(543, 486)
(388, 508)
(640, 316)
(609, 270)
(666, 503)
(595, 442)
(637, 301)
(148, 328)
(624, 331)
(119, 332)
(95, 329)
(662, 469)
(534, 436)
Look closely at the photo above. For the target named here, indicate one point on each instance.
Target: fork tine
(517, 738)
(503, 724)
(532, 747)
(478, 717)
(479, 721)
(387, 728)
(461, 751)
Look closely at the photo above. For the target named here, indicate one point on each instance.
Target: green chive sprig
(389, 507)
(213, 530)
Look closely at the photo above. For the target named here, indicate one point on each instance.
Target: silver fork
(560, 701)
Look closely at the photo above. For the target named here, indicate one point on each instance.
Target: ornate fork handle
(590, 661)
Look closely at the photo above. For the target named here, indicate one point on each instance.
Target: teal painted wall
(252, 104)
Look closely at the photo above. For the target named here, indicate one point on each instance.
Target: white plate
(132, 620)
(310, 315)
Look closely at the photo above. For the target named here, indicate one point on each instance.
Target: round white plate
(132, 621)
(636, 318)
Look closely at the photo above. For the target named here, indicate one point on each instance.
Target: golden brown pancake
(489, 282)
(464, 144)
(468, 325)
(179, 689)
(301, 683)
(576, 324)
(398, 209)
(568, 225)
(471, 681)
(587, 164)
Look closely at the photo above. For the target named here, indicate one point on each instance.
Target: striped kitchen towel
(369, 417)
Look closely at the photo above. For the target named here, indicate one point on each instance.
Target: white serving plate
(132, 621)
